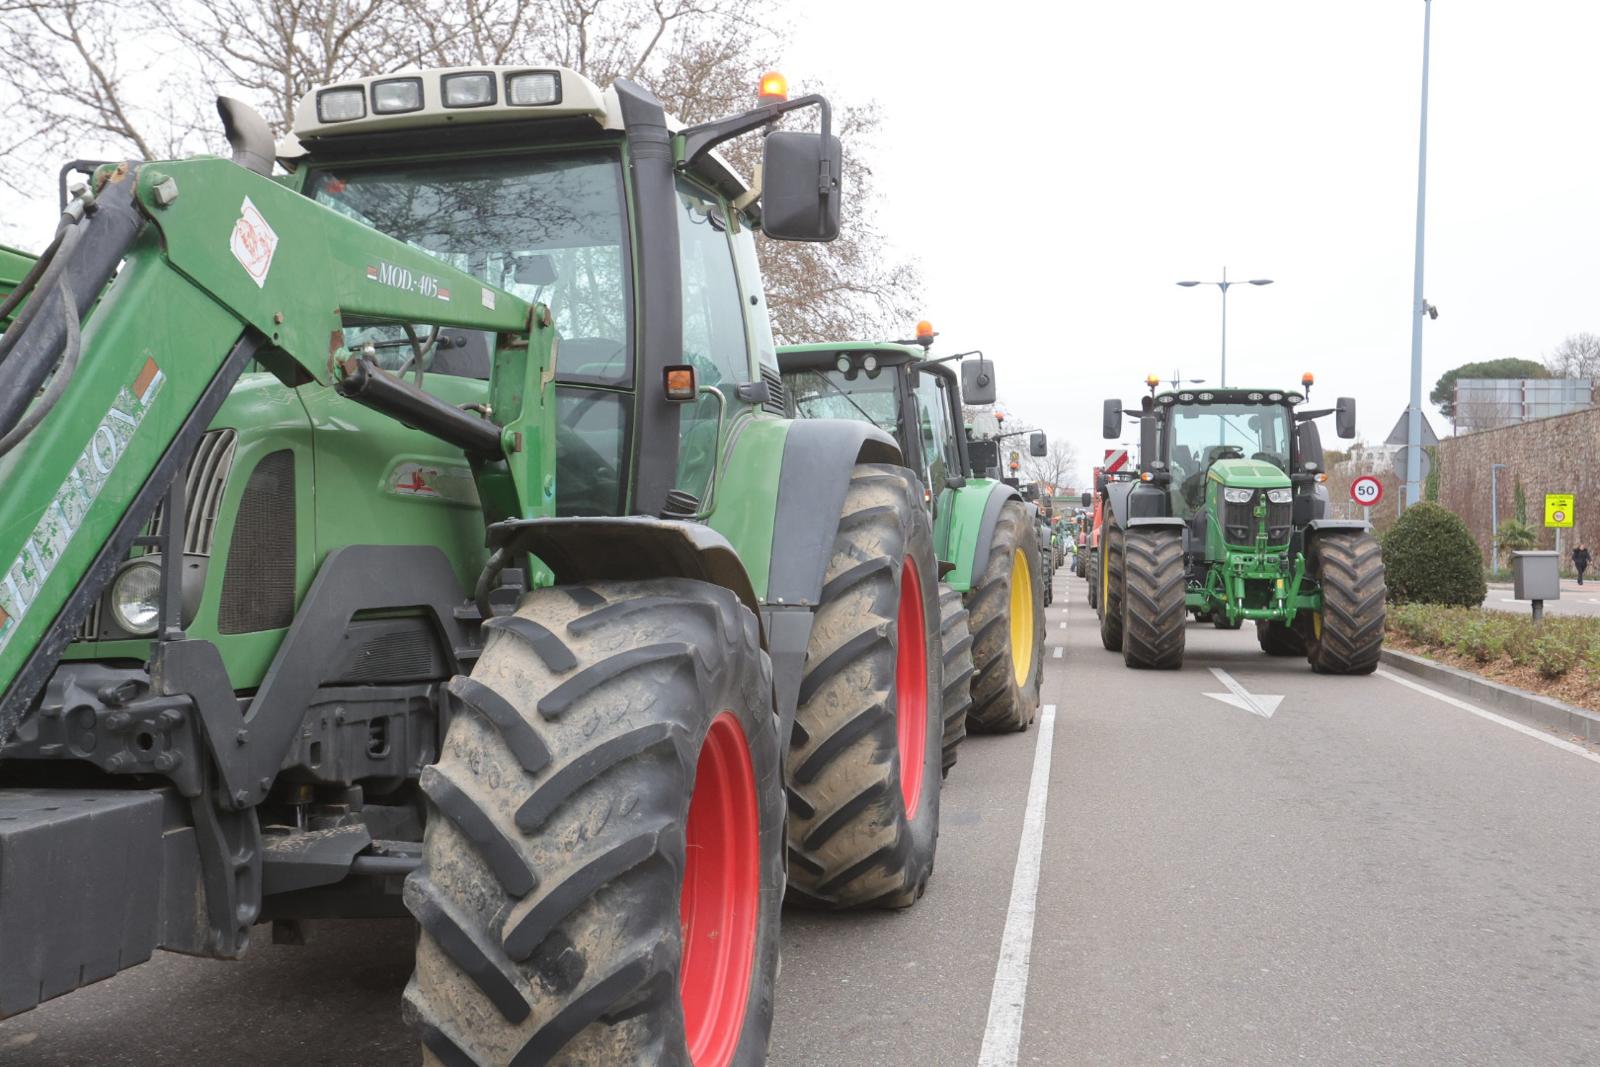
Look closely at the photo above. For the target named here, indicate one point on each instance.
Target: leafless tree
(1056, 469)
(75, 84)
(1576, 357)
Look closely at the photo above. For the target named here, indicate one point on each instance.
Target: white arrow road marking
(1262, 704)
(1002, 1036)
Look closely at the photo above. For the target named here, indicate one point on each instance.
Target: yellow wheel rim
(1021, 618)
(1316, 625)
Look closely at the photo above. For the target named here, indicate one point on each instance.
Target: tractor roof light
(925, 333)
(396, 96)
(474, 89)
(1152, 380)
(1307, 380)
(533, 88)
(774, 88)
(342, 104)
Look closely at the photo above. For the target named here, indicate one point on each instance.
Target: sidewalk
(1591, 584)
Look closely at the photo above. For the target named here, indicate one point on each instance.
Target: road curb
(1506, 700)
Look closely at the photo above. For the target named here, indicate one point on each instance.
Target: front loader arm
(218, 266)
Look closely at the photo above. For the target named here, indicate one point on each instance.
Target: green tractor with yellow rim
(1227, 521)
(986, 536)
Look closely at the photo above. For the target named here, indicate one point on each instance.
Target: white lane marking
(1549, 739)
(1262, 704)
(1062, 625)
(1002, 1037)
(1057, 653)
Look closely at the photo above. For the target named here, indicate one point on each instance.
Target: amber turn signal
(774, 88)
(679, 383)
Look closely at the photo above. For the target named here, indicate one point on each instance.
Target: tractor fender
(628, 548)
(976, 511)
(1129, 501)
(819, 456)
(1147, 522)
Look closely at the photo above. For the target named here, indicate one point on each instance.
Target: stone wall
(1554, 455)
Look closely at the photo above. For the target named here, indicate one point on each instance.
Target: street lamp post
(1494, 516)
(1419, 306)
(1223, 285)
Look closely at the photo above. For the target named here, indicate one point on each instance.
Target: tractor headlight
(1280, 496)
(1238, 496)
(136, 598)
(341, 105)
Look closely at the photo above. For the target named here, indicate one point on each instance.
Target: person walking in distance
(1580, 561)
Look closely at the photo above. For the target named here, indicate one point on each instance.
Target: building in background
(1490, 403)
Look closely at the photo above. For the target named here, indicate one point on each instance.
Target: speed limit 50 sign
(1366, 490)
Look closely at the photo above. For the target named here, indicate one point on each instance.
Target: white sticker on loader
(21, 581)
(253, 243)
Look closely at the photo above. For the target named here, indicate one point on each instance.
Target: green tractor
(14, 266)
(1227, 521)
(419, 530)
(985, 536)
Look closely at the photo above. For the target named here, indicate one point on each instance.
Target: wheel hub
(720, 904)
(911, 686)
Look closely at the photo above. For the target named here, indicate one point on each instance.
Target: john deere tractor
(1227, 521)
(984, 533)
(403, 519)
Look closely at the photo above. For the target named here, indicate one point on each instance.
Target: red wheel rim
(720, 905)
(911, 687)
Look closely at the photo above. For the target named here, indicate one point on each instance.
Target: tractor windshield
(855, 395)
(546, 229)
(1201, 434)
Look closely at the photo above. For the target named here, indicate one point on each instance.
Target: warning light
(925, 333)
(1308, 379)
(1152, 380)
(774, 88)
(679, 382)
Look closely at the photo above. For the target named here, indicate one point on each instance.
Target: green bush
(1430, 558)
(1563, 644)
(1554, 656)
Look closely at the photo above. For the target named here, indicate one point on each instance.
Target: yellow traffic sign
(1558, 509)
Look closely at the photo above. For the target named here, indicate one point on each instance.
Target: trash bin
(1535, 576)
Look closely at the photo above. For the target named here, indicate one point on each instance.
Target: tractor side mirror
(977, 382)
(1344, 417)
(1087, 499)
(801, 190)
(1037, 445)
(1111, 421)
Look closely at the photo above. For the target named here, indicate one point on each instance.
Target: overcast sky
(1057, 167)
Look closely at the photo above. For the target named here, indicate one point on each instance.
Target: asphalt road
(1370, 875)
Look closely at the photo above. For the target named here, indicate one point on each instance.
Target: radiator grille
(203, 483)
(1280, 519)
(1239, 521)
(258, 584)
(777, 394)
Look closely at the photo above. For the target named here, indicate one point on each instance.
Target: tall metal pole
(1413, 491)
(1224, 328)
(1494, 516)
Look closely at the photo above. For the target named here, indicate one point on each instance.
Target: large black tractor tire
(1007, 619)
(864, 758)
(1276, 639)
(1154, 618)
(1347, 637)
(1109, 604)
(1047, 587)
(1080, 564)
(1091, 571)
(603, 862)
(956, 640)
